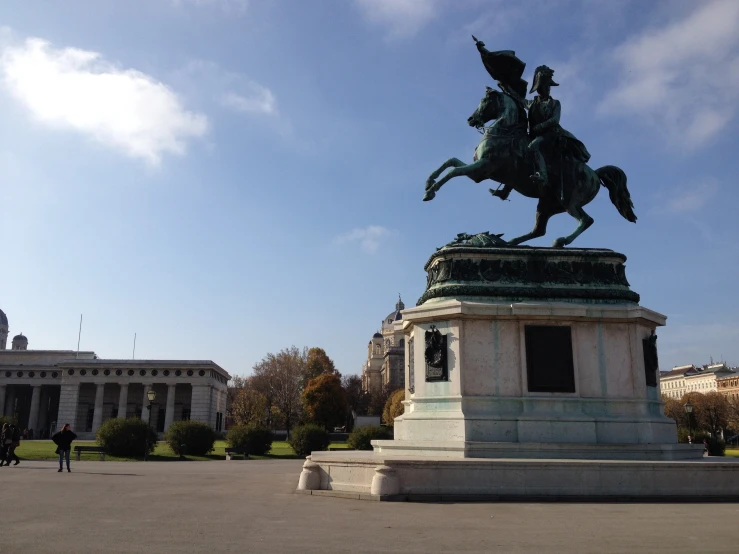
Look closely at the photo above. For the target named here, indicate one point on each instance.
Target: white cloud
(369, 238)
(692, 198)
(403, 17)
(258, 100)
(229, 6)
(73, 89)
(683, 77)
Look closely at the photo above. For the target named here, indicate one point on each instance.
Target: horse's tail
(614, 179)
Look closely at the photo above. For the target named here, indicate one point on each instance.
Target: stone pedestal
(528, 356)
(545, 351)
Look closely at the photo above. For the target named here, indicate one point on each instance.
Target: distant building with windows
(689, 378)
(386, 354)
(45, 389)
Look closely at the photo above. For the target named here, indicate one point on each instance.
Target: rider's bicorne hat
(543, 74)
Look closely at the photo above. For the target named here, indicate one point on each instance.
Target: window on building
(185, 414)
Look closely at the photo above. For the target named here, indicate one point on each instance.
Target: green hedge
(361, 439)
(255, 438)
(308, 438)
(190, 437)
(126, 438)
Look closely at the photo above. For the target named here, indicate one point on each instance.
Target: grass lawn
(44, 450)
(732, 452)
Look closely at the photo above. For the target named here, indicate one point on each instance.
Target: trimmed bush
(308, 438)
(190, 437)
(360, 439)
(393, 407)
(716, 447)
(126, 438)
(255, 438)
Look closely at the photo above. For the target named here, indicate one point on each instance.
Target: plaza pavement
(250, 506)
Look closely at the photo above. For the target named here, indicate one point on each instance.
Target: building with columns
(386, 354)
(44, 389)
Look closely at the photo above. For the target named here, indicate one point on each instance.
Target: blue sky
(226, 178)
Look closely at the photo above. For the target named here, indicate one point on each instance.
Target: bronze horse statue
(501, 156)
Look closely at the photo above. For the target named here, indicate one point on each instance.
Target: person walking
(5, 440)
(14, 433)
(63, 440)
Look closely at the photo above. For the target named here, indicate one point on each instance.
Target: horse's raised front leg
(584, 221)
(451, 162)
(544, 210)
(460, 169)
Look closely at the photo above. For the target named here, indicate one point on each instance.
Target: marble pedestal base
(371, 476)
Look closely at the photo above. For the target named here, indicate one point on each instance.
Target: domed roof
(20, 337)
(3, 318)
(377, 336)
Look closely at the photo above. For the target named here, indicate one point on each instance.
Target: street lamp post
(689, 410)
(151, 395)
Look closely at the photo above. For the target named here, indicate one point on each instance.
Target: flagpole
(133, 356)
(79, 336)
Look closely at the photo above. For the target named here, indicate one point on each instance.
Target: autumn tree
(318, 363)
(733, 412)
(675, 410)
(393, 407)
(234, 386)
(357, 398)
(377, 400)
(279, 377)
(249, 406)
(324, 401)
(711, 411)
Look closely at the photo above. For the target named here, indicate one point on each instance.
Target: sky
(227, 178)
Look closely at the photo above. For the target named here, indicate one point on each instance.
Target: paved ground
(249, 506)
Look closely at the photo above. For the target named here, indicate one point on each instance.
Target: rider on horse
(545, 131)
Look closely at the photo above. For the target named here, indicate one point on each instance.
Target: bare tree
(279, 377)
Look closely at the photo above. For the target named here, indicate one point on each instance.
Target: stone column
(2, 399)
(97, 415)
(10, 402)
(123, 401)
(169, 413)
(33, 414)
(200, 404)
(68, 397)
(145, 415)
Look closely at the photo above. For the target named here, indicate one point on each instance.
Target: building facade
(728, 385)
(386, 354)
(689, 378)
(45, 389)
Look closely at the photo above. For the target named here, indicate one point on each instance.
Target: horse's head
(489, 108)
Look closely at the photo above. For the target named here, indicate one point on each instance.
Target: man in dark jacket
(63, 439)
(5, 435)
(14, 433)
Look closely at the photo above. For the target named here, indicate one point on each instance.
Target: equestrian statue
(526, 149)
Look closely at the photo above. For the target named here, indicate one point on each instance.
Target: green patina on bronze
(527, 150)
(519, 274)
